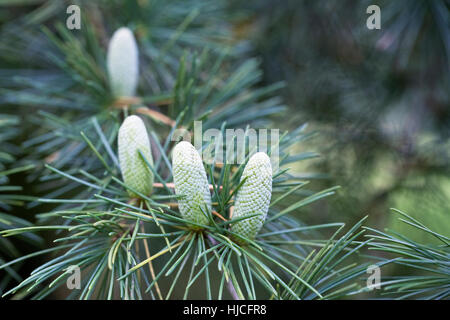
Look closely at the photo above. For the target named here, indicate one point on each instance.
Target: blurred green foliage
(380, 98)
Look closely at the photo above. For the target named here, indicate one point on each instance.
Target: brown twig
(156, 115)
(218, 215)
(231, 212)
(124, 102)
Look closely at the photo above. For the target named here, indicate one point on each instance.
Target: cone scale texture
(190, 181)
(253, 196)
(135, 172)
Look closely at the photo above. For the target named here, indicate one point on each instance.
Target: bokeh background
(378, 101)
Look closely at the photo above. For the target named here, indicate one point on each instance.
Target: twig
(157, 116)
(218, 215)
(125, 102)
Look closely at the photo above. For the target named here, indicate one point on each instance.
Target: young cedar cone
(123, 63)
(190, 181)
(136, 174)
(253, 196)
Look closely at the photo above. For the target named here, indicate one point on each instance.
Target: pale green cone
(190, 180)
(135, 172)
(253, 196)
(122, 63)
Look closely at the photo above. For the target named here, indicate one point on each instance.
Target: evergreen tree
(92, 120)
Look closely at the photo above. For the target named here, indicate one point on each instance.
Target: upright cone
(123, 63)
(136, 174)
(253, 196)
(190, 180)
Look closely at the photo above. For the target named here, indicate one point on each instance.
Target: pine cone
(190, 180)
(253, 196)
(123, 63)
(136, 174)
